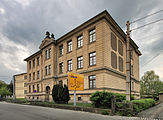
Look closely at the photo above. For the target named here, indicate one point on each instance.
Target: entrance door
(47, 93)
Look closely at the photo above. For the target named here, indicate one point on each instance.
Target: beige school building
(20, 85)
(96, 49)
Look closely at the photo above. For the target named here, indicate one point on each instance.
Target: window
(61, 82)
(79, 99)
(80, 41)
(29, 89)
(25, 91)
(61, 67)
(38, 74)
(80, 62)
(113, 42)
(132, 86)
(49, 69)
(34, 88)
(25, 77)
(33, 63)
(38, 61)
(46, 54)
(69, 46)
(49, 52)
(69, 65)
(92, 58)
(92, 81)
(25, 84)
(37, 87)
(46, 70)
(120, 47)
(120, 64)
(37, 98)
(132, 72)
(33, 75)
(30, 77)
(29, 64)
(60, 50)
(92, 35)
(113, 60)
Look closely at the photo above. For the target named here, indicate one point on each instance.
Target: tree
(150, 84)
(10, 87)
(2, 83)
(4, 91)
(60, 94)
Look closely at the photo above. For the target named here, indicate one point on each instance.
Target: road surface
(9, 111)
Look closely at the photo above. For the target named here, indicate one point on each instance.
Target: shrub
(142, 104)
(60, 94)
(103, 99)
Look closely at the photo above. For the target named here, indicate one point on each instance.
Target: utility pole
(128, 64)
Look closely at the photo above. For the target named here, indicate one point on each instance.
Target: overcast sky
(23, 24)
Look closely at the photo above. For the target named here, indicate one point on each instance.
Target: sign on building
(76, 81)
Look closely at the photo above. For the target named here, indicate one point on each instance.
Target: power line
(147, 24)
(146, 16)
(150, 35)
(152, 58)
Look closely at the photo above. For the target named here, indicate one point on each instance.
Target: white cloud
(24, 2)
(2, 11)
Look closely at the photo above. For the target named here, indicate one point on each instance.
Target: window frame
(49, 69)
(34, 63)
(69, 65)
(80, 62)
(92, 35)
(61, 50)
(92, 58)
(69, 46)
(80, 41)
(92, 81)
(46, 70)
(34, 76)
(61, 67)
(38, 61)
(38, 74)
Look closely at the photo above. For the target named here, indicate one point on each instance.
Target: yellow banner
(76, 81)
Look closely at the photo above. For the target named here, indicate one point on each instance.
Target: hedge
(103, 99)
(142, 104)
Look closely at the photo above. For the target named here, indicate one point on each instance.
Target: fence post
(113, 101)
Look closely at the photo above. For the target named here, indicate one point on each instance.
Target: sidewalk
(154, 112)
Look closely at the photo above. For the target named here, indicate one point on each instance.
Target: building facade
(96, 49)
(20, 85)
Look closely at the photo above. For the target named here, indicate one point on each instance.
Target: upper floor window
(46, 70)
(120, 64)
(61, 67)
(46, 54)
(29, 64)
(113, 42)
(25, 77)
(120, 47)
(49, 69)
(80, 62)
(38, 61)
(69, 65)
(37, 87)
(25, 91)
(60, 50)
(92, 35)
(49, 52)
(132, 72)
(38, 74)
(30, 77)
(29, 89)
(80, 41)
(92, 81)
(113, 60)
(25, 84)
(33, 88)
(33, 75)
(69, 46)
(92, 58)
(33, 63)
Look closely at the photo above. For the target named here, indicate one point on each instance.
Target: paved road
(10, 111)
(154, 112)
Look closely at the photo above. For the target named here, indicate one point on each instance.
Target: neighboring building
(20, 85)
(96, 48)
(161, 96)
